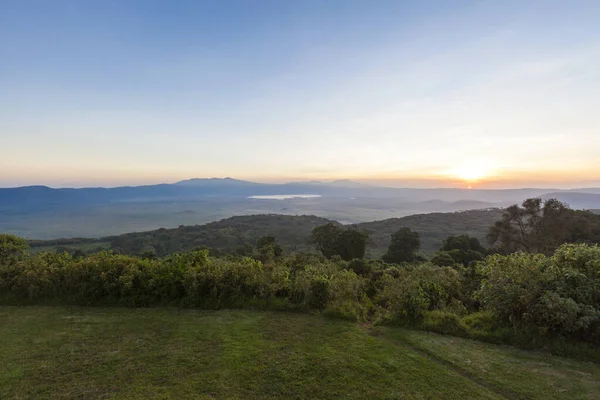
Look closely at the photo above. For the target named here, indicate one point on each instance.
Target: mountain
(215, 182)
(38, 198)
(349, 184)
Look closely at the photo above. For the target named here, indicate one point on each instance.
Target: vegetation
(530, 300)
(534, 299)
(403, 247)
(540, 226)
(433, 228)
(238, 235)
(117, 353)
(462, 250)
(333, 240)
(11, 248)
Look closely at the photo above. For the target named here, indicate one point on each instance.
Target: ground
(74, 352)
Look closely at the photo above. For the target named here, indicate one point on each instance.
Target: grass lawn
(74, 352)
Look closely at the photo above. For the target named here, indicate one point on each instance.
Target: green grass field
(73, 352)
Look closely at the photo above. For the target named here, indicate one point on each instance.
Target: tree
(268, 248)
(352, 243)
(462, 249)
(462, 242)
(325, 238)
(403, 246)
(443, 259)
(541, 226)
(332, 239)
(269, 242)
(11, 248)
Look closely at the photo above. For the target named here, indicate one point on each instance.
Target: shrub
(484, 321)
(12, 248)
(360, 267)
(37, 277)
(443, 321)
(347, 297)
(512, 284)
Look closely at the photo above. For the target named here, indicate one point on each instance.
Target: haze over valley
(39, 212)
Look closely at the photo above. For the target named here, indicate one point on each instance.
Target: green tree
(403, 246)
(541, 226)
(332, 240)
(443, 259)
(11, 248)
(351, 244)
(268, 248)
(325, 239)
(462, 249)
(462, 242)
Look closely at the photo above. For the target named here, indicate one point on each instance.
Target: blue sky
(421, 93)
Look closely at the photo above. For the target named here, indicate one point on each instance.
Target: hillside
(433, 228)
(231, 234)
(75, 352)
(292, 232)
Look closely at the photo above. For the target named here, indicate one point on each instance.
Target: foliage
(11, 248)
(541, 226)
(239, 235)
(443, 259)
(403, 246)
(268, 249)
(517, 298)
(442, 321)
(406, 293)
(334, 240)
(461, 249)
(558, 294)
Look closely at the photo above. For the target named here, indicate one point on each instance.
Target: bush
(484, 321)
(360, 267)
(512, 284)
(442, 321)
(12, 248)
(548, 295)
(347, 297)
(528, 300)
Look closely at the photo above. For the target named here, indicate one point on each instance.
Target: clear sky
(415, 93)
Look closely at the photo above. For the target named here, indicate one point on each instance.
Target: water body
(285, 196)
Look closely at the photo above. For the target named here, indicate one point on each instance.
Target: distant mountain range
(33, 198)
(41, 212)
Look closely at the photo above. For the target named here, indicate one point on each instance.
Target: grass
(74, 352)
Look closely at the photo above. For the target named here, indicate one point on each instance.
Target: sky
(403, 93)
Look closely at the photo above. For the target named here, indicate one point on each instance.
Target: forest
(535, 285)
(238, 235)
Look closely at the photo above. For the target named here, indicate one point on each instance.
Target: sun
(471, 172)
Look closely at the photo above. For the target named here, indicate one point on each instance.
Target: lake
(285, 196)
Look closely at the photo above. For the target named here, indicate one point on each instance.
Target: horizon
(468, 94)
(367, 182)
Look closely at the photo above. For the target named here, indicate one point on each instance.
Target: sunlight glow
(472, 172)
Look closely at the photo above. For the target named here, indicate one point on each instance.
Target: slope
(73, 352)
(292, 232)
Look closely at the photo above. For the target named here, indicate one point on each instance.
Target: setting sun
(472, 172)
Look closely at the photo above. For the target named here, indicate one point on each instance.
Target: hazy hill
(228, 234)
(292, 232)
(433, 228)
